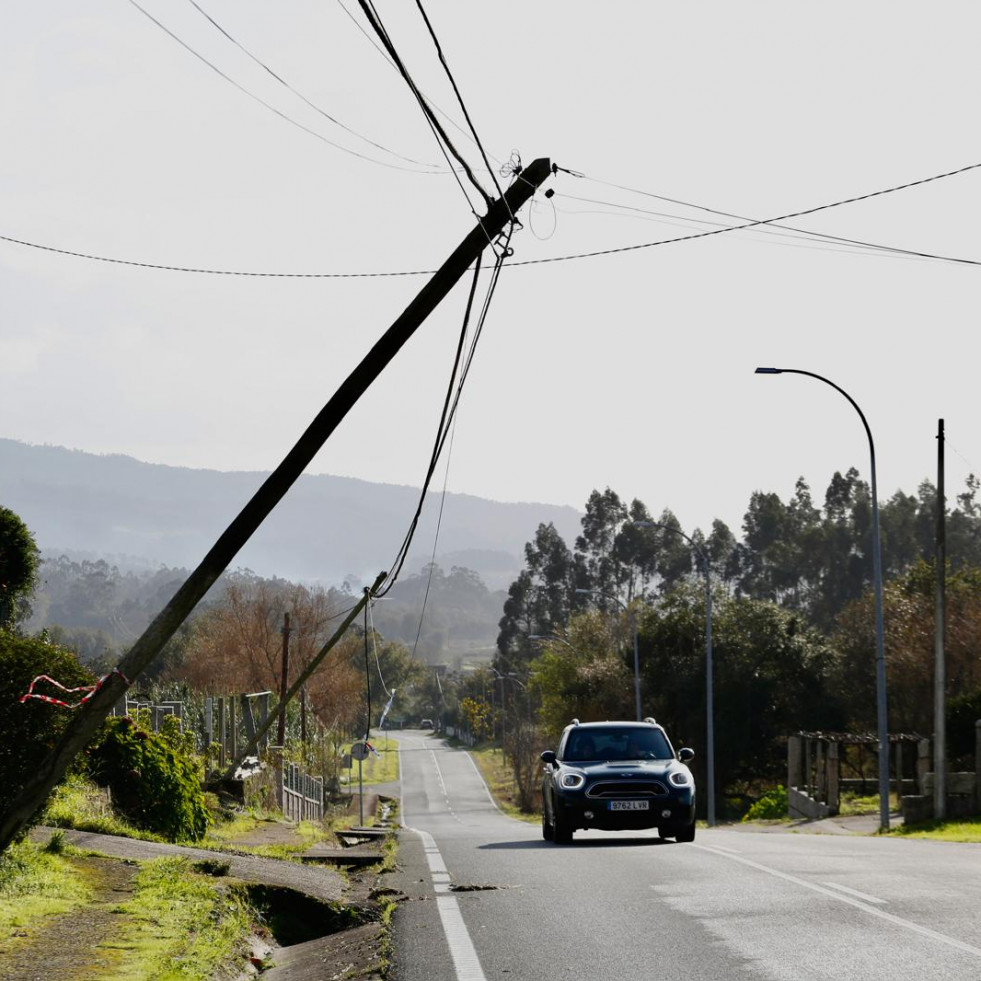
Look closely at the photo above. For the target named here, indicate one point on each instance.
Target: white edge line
(858, 895)
(480, 777)
(466, 963)
(865, 907)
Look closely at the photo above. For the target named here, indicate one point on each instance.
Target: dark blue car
(617, 776)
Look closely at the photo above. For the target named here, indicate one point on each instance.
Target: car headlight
(680, 778)
(572, 781)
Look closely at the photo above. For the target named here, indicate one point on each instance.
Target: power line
(459, 97)
(368, 8)
(271, 108)
(300, 95)
(770, 221)
(776, 221)
(388, 61)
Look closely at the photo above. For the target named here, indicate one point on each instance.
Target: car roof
(614, 722)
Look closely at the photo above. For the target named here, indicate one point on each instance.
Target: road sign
(359, 751)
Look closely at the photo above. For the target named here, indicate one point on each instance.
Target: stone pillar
(263, 715)
(793, 761)
(806, 787)
(899, 769)
(820, 776)
(924, 764)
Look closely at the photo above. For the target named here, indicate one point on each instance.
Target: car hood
(631, 768)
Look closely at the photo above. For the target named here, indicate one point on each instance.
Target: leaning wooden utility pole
(90, 716)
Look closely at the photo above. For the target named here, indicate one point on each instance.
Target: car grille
(627, 788)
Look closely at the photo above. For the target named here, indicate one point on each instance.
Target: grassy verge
(35, 883)
(968, 829)
(181, 924)
(79, 803)
(854, 804)
(383, 768)
(500, 780)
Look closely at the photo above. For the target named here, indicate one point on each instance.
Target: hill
(326, 530)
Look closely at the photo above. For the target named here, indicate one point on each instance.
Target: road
(488, 898)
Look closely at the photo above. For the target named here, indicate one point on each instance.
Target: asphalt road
(488, 898)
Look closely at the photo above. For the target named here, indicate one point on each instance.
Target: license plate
(629, 805)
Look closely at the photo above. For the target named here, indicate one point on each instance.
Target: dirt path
(71, 947)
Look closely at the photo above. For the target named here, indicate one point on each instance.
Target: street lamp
(880, 657)
(510, 676)
(709, 670)
(633, 628)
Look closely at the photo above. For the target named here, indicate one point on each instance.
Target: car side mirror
(548, 757)
(686, 755)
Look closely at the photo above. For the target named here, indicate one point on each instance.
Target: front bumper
(674, 811)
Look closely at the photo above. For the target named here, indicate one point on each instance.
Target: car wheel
(686, 834)
(562, 831)
(548, 831)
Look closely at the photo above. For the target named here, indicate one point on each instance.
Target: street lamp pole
(709, 667)
(880, 657)
(631, 616)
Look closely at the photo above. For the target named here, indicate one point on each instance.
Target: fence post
(209, 719)
(834, 773)
(221, 732)
(233, 733)
(977, 766)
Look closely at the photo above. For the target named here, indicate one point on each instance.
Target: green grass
(181, 925)
(968, 830)
(851, 804)
(79, 803)
(375, 769)
(500, 781)
(35, 884)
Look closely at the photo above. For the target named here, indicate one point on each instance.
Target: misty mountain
(327, 528)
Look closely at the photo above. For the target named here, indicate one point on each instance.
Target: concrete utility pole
(86, 721)
(284, 683)
(939, 644)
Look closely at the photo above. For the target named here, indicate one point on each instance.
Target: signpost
(360, 752)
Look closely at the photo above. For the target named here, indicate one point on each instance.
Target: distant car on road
(617, 776)
(426, 724)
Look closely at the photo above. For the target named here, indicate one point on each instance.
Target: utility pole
(284, 681)
(939, 644)
(86, 721)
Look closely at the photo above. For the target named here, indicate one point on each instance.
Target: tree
(19, 558)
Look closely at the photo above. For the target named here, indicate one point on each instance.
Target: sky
(633, 370)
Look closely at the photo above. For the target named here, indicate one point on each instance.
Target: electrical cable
(367, 670)
(368, 8)
(273, 109)
(779, 218)
(374, 648)
(775, 224)
(282, 81)
(459, 98)
(913, 253)
(399, 561)
(388, 61)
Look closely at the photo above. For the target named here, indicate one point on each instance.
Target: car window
(614, 743)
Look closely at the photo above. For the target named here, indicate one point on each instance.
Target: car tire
(561, 831)
(548, 830)
(686, 834)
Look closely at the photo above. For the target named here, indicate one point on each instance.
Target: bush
(30, 730)
(772, 806)
(156, 787)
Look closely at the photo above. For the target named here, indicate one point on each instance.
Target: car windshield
(616, 743)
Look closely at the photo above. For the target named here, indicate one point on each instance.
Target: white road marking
(483, 782)
(858, 904)
(854, 892)
(466, 963)
(730, 851)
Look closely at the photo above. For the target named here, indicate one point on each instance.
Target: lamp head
(769, 371)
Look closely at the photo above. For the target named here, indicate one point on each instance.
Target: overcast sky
(633, 370)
